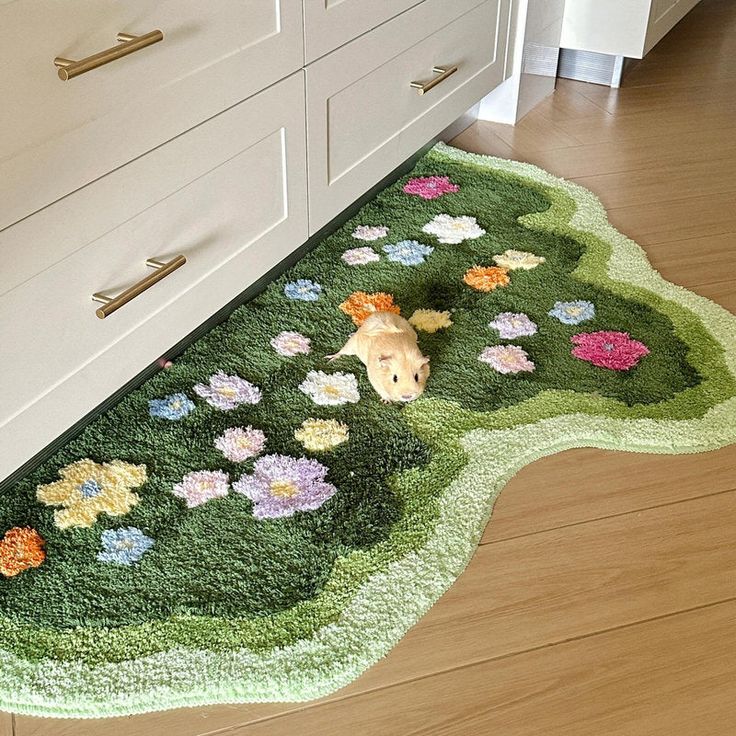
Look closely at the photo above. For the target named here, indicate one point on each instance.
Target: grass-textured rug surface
(254, 524)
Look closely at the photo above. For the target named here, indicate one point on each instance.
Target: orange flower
(486, 278)
(360, 305)
(20, 548)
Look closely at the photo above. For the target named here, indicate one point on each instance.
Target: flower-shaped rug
(254, 524)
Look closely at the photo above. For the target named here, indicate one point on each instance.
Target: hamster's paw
(332, 357)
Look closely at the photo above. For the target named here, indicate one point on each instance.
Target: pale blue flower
(303, 289)
(124, 546)
(408, 252)
(173, 407)
(573, 313)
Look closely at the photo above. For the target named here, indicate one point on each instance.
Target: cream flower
(513, 259)
(331, 389)
(321, 435)
(428, 320)
(454, 230)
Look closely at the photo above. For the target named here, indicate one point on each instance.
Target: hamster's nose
(408, 397)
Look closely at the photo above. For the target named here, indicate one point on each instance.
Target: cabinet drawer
(364, 118)
(331, 23)
(58, 136)
(233, 221)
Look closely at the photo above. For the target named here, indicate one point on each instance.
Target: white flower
(330, 389)
(454, 230)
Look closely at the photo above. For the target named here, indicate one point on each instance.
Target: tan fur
(387, 345)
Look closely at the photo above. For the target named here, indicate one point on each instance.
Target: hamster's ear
(425, 360)
(384, 360)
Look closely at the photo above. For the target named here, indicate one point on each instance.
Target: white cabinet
(620, 27)
(194, 146)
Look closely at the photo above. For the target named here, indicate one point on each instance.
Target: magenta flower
(614, 350)
(507, 359)
(430, 187)
(281, 485)
(202, 485)
(227, 392)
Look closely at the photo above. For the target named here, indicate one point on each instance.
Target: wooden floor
(602, 601)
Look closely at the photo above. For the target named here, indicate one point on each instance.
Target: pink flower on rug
(370, 232)
(360, 256)
(507, 359)
(614, 350)
(241, 443)
(430, 187)
(290, 343)
(202, 485)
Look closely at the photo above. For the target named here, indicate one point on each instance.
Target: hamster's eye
(416, 377)
(396, 379)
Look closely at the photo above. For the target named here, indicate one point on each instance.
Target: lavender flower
(513, 324)
(227, 392)
(281, 485)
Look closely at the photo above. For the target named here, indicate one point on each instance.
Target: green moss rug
(254, 524)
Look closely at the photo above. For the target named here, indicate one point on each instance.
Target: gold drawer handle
(69, 69)
(423, 87)
(113, 303)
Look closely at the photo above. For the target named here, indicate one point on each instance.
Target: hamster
(387, 345)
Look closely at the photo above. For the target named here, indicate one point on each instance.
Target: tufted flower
(124, 546)
(614, 350)
(572, 313)
(360, 305)
(290, 344)
(172, 407)
(331, 389)
(88, 489)
(513, 324)
(408, 252)
(454, 230)
(513, 259)
(20, 549)
(507, 359)
(370, 232)
(303, 290)
(486, 278)
(430, 187)
(228, 392)
(201, 486)
(360, 256)
(321, 435)
(281, 485)
(428, 320)
(241, 443)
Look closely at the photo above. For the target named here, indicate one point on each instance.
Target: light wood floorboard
(602, 599)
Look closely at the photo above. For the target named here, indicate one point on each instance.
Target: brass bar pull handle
(423, 87)
(69, 69)
(112, 303)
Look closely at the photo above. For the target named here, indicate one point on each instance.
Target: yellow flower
(88, 489)
(320, 435)
(428, 320)
(513, 259)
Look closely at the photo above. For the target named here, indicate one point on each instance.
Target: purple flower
(227, 392)
(513, 324)
(281, 485)
(370, 232)
(290, 343)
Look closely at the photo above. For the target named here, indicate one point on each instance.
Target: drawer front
(364, 118)
(232, 223)
(331, 23)
(58, 136)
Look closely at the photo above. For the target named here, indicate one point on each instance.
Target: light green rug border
(390, 602)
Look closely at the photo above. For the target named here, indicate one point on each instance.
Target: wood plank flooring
(602, 599)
